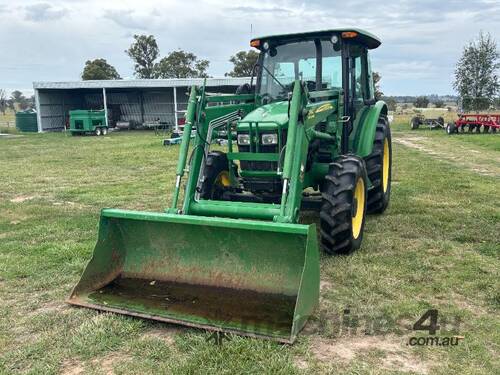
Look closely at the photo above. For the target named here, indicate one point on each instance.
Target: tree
(243, 63)
(182, 64)
(476, 79)
(144, 51)
(391, 103)
(376, 84)
(99, 69)
(421, 102)
(3, 101)
(438, 103)
(18, 101)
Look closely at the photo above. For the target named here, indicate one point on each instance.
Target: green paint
(142, 256)
(86, 121)
(363, 143)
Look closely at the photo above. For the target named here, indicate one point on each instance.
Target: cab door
(359, 86)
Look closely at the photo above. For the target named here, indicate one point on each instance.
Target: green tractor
(232, 255)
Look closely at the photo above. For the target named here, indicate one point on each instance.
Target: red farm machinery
(489, 123)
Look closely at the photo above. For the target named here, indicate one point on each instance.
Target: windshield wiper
(276, 79)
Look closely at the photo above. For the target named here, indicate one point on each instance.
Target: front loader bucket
(248, 277)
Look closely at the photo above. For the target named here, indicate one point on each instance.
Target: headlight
(270, 139)
(243, 139)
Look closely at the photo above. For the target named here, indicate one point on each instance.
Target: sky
(421, 40)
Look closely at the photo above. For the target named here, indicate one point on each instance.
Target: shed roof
(142, 83)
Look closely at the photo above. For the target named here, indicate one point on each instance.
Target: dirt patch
(165, 334)
(325, 285)
(395, 356)
(51, 308)
(22, 198)
(300, 363)
(72, 367)
(108, 362)
(64, 204)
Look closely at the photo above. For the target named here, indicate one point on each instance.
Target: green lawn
(436, 247)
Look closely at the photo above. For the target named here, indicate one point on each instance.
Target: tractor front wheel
(379, 169)
(343, 210)
(215, 176)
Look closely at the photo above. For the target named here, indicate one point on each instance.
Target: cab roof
(363, 37)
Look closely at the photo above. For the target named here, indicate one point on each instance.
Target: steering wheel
(266, 98)
(311, 85)
(244, 89)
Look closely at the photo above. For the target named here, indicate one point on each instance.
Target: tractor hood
(268, 116)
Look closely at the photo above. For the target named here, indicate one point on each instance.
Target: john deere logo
(321, 108)
(324, 107)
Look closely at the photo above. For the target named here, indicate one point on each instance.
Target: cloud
(421, 40)
(127, 18)
(251, 10)
(43, 12)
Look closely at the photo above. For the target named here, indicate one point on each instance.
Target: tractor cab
(334, 68)
(318, 59)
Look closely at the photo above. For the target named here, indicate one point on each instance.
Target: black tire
(104, 131)
(450, 128)
(379, 195)
(414, 123)
(340, 232)
(98, 131)
(216, 166)
(440, 120)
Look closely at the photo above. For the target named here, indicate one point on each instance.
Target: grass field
(437, 246)
(7, 122)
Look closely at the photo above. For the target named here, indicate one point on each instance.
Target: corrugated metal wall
(137, 105)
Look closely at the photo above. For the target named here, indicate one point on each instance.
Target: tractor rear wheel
(215, 176)
(343, 208)
(379, 169)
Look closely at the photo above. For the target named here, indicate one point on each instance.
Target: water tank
(26, 121)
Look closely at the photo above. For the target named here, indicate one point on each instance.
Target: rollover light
(255, 43)
(349, 34)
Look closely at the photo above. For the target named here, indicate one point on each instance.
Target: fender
(363, 143)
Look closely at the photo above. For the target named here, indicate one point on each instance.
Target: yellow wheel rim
(385, 166)
(358, 217)
(223, 179)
